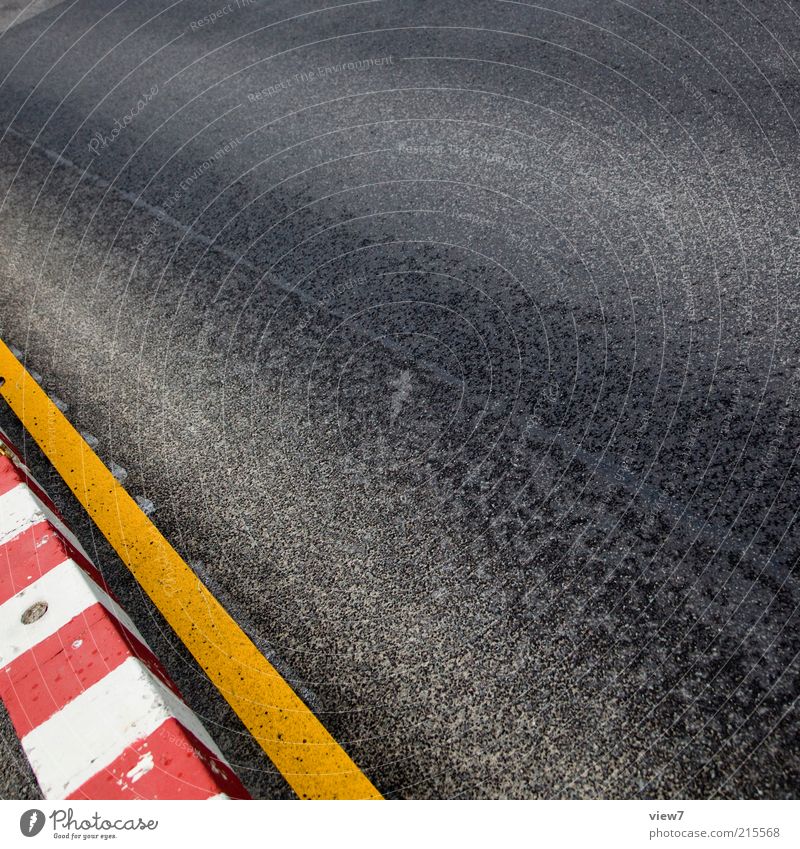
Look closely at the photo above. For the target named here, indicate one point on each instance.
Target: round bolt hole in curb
(34, 612)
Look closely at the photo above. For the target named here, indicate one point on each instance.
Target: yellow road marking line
(311, 761)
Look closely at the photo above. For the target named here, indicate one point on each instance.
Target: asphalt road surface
(454, 345)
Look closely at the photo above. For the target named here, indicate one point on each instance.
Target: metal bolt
(34, 612)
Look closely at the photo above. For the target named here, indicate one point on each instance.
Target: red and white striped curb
(95, 711)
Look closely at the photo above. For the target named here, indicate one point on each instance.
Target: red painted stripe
(12, 475)
(183, 768)
(44, 679)
(35, 552)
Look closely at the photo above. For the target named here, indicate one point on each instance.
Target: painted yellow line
(312, 762)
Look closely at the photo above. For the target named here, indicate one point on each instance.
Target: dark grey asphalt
(455, 344)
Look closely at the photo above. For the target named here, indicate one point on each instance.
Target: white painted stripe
(144, 765)
(68, 591)
(96, 727)
(20, 509)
